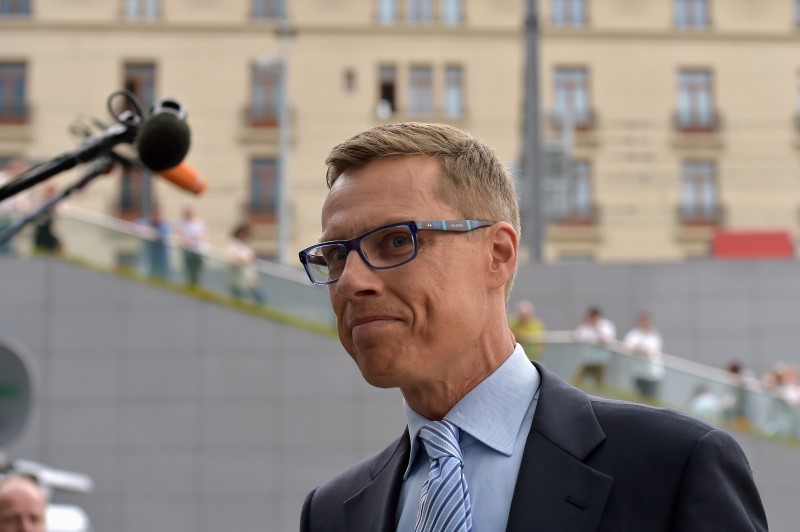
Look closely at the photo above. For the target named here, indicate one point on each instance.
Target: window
(572, 97)
(695, 102)
(135, 194)
(265, 96)
(387, 11)
(574, 199)
(452, 14)
(140, 79)
(142, 9)
(568, 13)
(581, 194)
(387, 101)
(349, 80)
(797, 13)
(420, 94)
(268, 9)
(797, 110)
(263, 202)
(419, 11)
(453, 91)
(13, 107)
(15, 7)
(699, 193)
(691, 14)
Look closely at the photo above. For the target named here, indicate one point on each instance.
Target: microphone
(181, 175)
(185, 177)
(163, 138)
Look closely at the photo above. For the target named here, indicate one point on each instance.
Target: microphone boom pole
(90, 149)
(102, 166)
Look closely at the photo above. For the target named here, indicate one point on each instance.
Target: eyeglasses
(382, 248)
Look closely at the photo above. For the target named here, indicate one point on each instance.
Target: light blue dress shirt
(495, 418)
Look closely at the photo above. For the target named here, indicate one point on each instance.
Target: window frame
(687, 17)
(262, 204)
(14, 89)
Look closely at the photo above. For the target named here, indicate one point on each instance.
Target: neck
(434, 400)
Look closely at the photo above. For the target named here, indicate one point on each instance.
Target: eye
(399, 240)
(333, 254)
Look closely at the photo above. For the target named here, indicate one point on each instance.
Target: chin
(380, 377)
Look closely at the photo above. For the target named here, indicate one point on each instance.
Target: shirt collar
(493, 411)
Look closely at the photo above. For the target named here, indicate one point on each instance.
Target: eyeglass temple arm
(451, 225)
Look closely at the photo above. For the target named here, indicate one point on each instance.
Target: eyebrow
(399, 220)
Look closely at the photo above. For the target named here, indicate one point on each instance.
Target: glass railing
(704, 391)
(109, 243)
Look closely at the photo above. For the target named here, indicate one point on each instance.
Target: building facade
(664, 121)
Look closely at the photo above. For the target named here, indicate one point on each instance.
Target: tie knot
(440, 439)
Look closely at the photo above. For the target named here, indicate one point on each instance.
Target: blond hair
(475, 182)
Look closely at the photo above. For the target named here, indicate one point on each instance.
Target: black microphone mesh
(163, 141)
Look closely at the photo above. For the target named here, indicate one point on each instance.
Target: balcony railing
(14, 114)
(384, 111)
(581, 121)
(108, 243)
(261, 116)
(701, 215)
(577, 215)
(696, 122)
(260, 214)
(704, 391)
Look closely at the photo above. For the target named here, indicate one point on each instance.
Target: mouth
(370, 323)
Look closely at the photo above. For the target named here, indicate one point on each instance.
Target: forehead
(384, 191)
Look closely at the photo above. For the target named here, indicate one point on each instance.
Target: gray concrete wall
(710, 312)
(195, 417)
(188, 416)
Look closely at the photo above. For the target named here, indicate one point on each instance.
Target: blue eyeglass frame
(414, 227)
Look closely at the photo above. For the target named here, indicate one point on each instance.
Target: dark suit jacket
(589, 464)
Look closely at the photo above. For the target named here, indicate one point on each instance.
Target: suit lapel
(555, 490)
(374, 508)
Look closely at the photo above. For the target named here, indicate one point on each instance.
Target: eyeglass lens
(384, 248)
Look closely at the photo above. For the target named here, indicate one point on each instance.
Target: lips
(366, 320)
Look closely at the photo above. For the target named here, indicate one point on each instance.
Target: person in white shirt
(244, 280)
(597, 333)
(192, 238)
(644, 340)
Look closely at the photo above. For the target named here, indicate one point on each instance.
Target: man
(22, 505)
(597, 333)
(419, 251)
(644, 340)
(528, 329)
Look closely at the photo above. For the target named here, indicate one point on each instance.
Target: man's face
(22, 508)
(411, 325)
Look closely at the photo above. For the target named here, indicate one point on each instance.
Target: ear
(504, 244)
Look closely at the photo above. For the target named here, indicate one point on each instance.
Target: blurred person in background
(192, 239)
(14, 206)
(596, 333)
(156, 247)
(734, 409)
(705, 404)
(644, 340)
(528, 329)
(44, 238)
(244, 280)
(22, 505)
(784, 384)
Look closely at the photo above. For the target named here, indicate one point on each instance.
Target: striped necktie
(444, 504)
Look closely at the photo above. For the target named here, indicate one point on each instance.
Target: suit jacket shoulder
(597, 464)
(362, 497)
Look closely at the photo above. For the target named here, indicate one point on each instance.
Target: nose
(358, 278)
